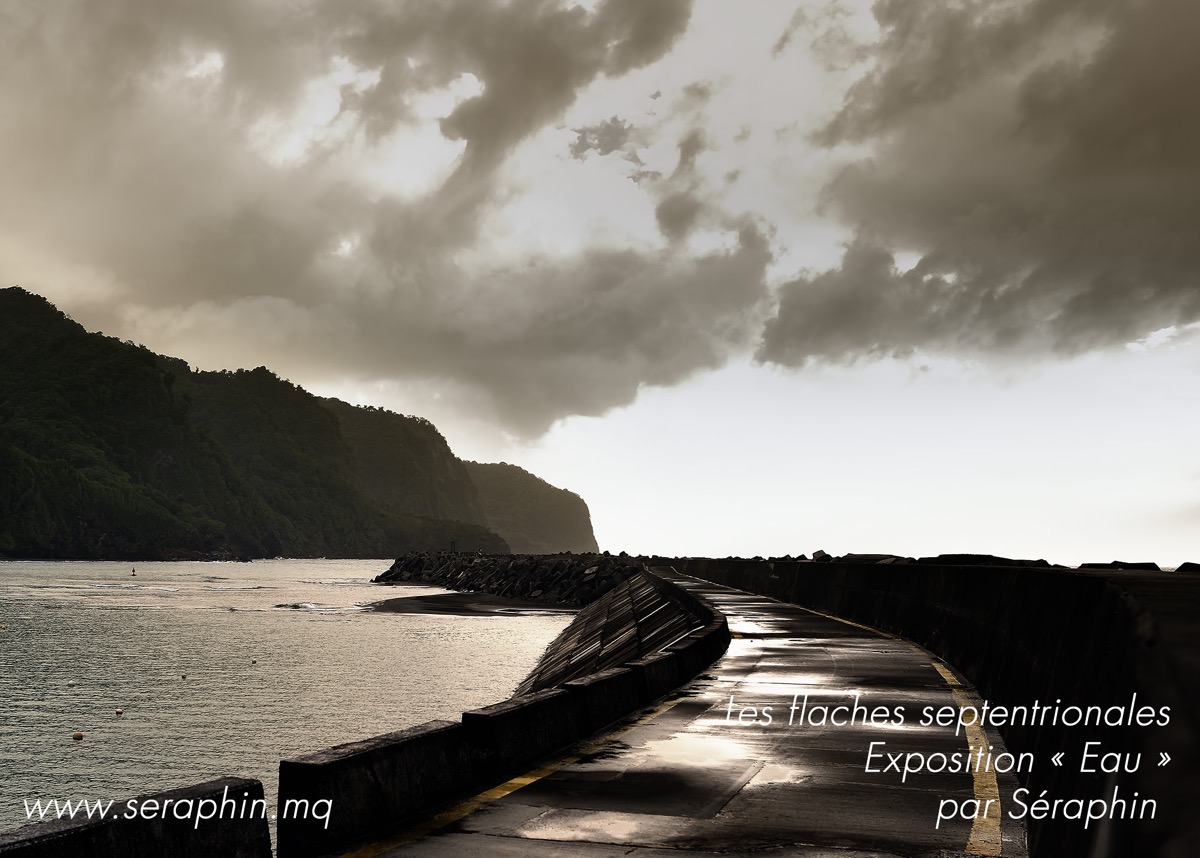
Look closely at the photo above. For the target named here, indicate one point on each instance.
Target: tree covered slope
(532, 515)
(108, 450)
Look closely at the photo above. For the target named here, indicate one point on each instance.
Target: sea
(224, 669)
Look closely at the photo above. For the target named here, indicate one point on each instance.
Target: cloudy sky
(753, 278)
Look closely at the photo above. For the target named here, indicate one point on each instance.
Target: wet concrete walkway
(703, 775)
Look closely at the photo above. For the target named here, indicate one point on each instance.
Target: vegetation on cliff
(110, 451)
(533, 516)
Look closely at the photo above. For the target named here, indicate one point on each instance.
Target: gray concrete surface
(1027, 634)
(375, 786)
(687, 776)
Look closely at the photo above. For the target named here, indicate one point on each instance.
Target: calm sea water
(81, 640)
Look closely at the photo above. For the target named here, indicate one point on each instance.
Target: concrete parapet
(223, 818)
(606, 696)
(657, 675)
(380, 784)
(690, 651)
(369, 787)
(511, 735)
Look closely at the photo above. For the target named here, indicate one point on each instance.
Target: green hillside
(405, 462)
(110, 451)
(533, 516)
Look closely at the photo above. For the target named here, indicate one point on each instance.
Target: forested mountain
(97, 456)
(110, 451)
(305, 457)
(532, 515)
(406, 463)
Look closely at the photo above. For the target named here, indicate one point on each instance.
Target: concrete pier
(704, 773)
(639, 640)
(815, 734)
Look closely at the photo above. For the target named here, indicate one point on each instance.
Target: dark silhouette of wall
(1034, 634)
(228, 820)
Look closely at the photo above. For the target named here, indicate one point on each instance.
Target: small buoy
(77, 736)
(254, 661)
(183, 676)
(70, 683)
(134, 572)
(120, 711)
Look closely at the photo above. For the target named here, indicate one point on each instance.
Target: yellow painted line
(985, 830)
(984, 838)
(483, 799)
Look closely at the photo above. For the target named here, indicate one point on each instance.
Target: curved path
(700, 774)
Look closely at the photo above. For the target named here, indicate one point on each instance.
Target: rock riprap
(556, 579)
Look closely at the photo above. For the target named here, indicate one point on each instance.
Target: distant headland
(110, 451)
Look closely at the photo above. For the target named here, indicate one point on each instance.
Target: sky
(753, 279)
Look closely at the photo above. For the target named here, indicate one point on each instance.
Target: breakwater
(1025, 635)
(644, 638)
(556, 579)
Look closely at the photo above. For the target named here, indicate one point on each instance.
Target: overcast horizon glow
(865, 277)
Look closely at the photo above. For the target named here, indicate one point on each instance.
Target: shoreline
(466, 605)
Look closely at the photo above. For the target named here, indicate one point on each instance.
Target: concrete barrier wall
(512, 735)
(342, 794)
(235, 827)
(605, 697)
(378, 785)
(658, 675)
(1030, 634)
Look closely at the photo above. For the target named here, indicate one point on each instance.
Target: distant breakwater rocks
(557, 579)
(958, 560)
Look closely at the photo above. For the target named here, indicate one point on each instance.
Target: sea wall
(555, 579)
(219, 819)
(644, 638)
(1087, 638)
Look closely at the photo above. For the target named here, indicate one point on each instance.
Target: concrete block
(172, 823)
(605, 697)
(372, 786)
(657, 675)
(511, 735)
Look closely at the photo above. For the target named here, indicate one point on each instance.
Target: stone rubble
(558, 579)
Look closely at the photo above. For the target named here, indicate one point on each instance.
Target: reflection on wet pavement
(767, 750)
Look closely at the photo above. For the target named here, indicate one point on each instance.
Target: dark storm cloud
(132, 161)
(799, 19)
(692, 144)
(615, 321)
(1042, 160)
(867, 309)
(826, 35)
(697, 94)
(681, 197)
(602, 138)
(677, 214)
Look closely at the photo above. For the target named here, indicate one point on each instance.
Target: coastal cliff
(110, 451)
(533, 516)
